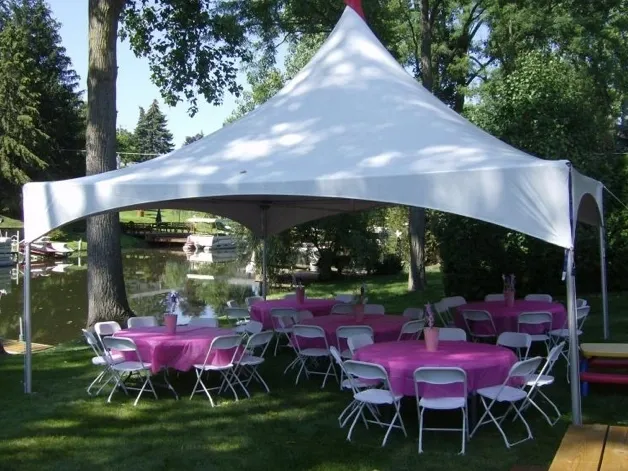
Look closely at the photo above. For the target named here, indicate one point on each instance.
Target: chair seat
(562, 333)
(115, 357)
(359, 383)
(377, 396)
(240, 329)
(505, 394)
(213, 367)
(128, 366)
(251, 360)
(543, 380)
(283, 330)
(443, 403)
(539, 337)
(314, 352)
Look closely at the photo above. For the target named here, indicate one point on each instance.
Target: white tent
(351, 131)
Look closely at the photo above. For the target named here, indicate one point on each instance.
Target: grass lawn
(8, 223)
(59, 427)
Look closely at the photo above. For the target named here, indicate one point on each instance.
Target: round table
(505, 317)
(260, 311)
(181, 350)
(386, 328)
(486, 365)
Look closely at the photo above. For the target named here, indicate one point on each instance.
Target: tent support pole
(603, 281)
(28, 355)
(574, 356)
(264, 223)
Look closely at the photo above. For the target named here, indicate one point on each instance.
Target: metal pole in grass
(574, 356)
(264, 224)
(28, 354)
(603, 280)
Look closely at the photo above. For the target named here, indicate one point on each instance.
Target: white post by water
(28, 354)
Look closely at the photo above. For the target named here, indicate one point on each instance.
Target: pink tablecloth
(385, 328)
(505, 318)
(485, 365)
(260, 311)
(187, 347)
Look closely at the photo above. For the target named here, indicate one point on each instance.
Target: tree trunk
(416, 216)
(105, 283)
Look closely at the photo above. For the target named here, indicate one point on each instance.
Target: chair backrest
(203, 322)
(552, 357)
(347, 331)
(442, 311)
(225, 342)
(453, 302)
(260, 340)
(452, 334)
(478, 316)
(365, 370)
(519, 341)
(308, 332)
(344, 298)
(581, 315)
(547, 298)
(342, 308)
(439, 375)
(287, 316)
(237, 313)
(232, 303)
(106, 328)
(303, 315)
(413, 313)
(356, 342)
(93, 342)
(336, 354)
(494, 297)
(523, 369)
(250, 300)
(122, 344)
(412, 328)
(254, 327)
(581, 302)
(374, 309)
(535, 318)
(142, 321)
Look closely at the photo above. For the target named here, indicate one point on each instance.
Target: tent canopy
(351, 131)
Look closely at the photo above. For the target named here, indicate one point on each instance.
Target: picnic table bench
(593, 448)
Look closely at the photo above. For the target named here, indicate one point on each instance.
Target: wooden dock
(15, 347)
(162, 233)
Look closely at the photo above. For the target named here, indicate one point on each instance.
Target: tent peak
(356, 5)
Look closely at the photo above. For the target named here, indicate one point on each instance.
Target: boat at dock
(44, 247)
(199, 243)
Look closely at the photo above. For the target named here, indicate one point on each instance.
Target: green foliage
(194, 138)
(125, 145)
(151, 137)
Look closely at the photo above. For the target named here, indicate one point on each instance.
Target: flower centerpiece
(509, 289)
(430, 333)
(170, 317)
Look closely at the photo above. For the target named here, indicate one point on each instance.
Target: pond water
(205, 283)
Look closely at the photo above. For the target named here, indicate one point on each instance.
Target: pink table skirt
(181, 351)
(505, 318)
(485, 365)
(385, 328)
(260, 311)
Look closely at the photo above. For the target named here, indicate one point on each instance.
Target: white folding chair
(542, 320)
(102, 358)
(547, 298)
(581, 302)
(249, 301)
(518, 341)
(441, 376)
(303, 315)
(249, 362)
(494, 297)
(372, 396)
(346, 384)
(238, 317)
(451, 302)
(106, 329)
(203, 322)
(356, 342)
(342, 309)
(542, 379)
(472, 318)
(442, 311)
(284, 328)
(511, 394)
(142, 369)
(452, 334)
(345, 332)
(374, 309)
(253, 327)
(414, 313)
(344, 298)
(142, 321)
(309, 354)
(222, 343)
(411, 330)
(232, 303)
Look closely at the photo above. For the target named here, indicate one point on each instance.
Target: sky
(135, 88)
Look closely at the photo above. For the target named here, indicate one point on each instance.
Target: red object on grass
(608, 378)
(357, 6)
(608, 363)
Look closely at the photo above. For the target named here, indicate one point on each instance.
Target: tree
(191, 47)
(194, 138)
(152, 137)
(125, 145)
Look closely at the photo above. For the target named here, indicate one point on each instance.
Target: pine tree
(194, 138)
(152, 137)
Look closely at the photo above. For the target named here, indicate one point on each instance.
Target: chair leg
(464, 430)
(420, 411)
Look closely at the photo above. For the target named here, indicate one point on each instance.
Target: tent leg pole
(603, 282)
(264, 222)
(574, 355)
(28, 356)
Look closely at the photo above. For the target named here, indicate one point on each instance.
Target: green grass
(294, 428)
(167, 215)
(9, 223)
